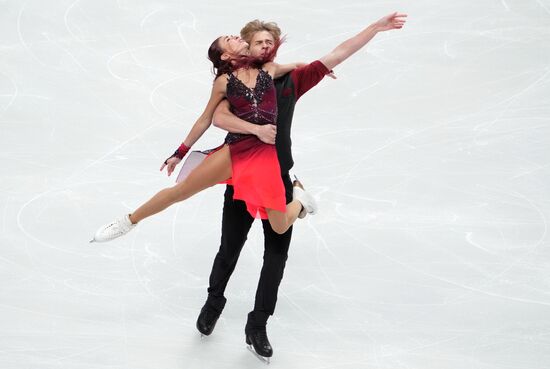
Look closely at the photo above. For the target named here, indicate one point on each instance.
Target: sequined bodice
(256, 105)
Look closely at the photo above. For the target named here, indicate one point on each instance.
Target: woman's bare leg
(281, 221)
(214, 169)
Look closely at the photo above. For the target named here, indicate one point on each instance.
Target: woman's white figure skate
(115, 229)
(309, 205)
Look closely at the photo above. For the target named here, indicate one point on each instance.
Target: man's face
(261, 43)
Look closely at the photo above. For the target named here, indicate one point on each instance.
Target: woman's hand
(170, 164)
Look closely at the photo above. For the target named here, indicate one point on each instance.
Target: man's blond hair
(248, 31)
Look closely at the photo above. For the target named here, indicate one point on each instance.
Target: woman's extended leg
(214, 169)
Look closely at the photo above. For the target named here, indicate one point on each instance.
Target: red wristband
(182, 151)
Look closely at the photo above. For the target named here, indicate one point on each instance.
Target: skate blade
(263, 359)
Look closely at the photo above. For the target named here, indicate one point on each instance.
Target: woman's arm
(352, 45)
(205, 119)
(200, 126)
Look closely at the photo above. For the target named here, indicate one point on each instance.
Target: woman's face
(233, 45)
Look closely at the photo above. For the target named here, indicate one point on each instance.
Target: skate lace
(261, 337)
(210, 314)
(117, 228)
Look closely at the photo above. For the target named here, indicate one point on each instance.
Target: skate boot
(113, 230)
(207, 319)
(259, 345)
(309, 205)
(256, 336)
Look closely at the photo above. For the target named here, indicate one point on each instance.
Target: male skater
(236, 221)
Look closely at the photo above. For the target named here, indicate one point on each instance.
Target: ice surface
(429, 156)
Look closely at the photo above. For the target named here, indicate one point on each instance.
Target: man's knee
(275, 257)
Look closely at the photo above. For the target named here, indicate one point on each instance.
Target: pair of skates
(256, 339)
(121, 226)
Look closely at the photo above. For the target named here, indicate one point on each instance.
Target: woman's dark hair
(234, 62)
(219, 66)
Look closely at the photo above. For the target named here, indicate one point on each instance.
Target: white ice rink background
(428, 156)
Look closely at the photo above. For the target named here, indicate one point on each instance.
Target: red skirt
(257, 176)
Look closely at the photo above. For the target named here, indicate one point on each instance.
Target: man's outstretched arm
(352, 45)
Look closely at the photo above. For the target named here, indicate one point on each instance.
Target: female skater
(248, 163)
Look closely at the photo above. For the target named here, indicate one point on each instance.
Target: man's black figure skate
(207, 320)
(259, 345)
